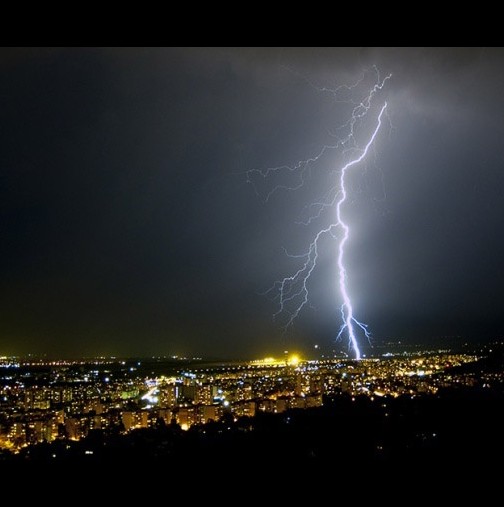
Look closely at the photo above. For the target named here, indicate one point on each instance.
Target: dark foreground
(454, 439)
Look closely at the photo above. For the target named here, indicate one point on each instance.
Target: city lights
(67, 406)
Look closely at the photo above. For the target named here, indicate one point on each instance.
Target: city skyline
(129, 228)
(65, 401)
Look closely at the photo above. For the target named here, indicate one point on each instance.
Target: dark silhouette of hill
(457, 428)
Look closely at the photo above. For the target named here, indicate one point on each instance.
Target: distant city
(43, 401)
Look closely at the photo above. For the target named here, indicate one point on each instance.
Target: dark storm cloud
(127, 226)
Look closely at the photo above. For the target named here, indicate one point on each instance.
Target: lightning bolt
(292, 291)
(346, 308)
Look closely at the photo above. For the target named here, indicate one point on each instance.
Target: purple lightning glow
(292, 291)
(346, 308)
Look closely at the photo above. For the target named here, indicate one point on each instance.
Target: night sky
(128, 227)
